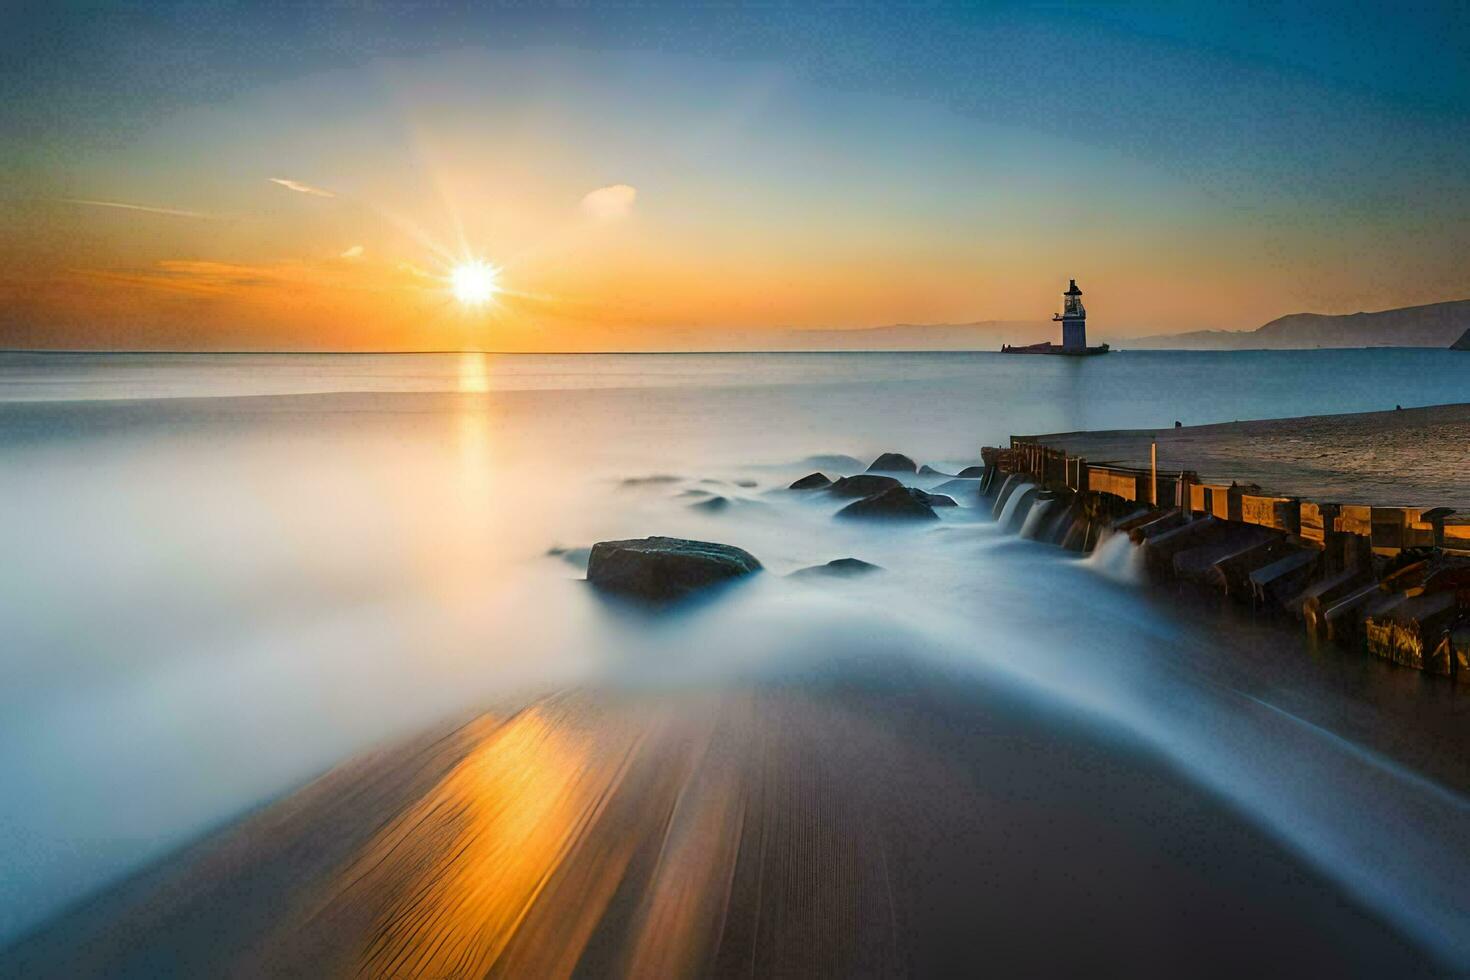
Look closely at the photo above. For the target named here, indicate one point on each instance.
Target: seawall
(1389, 580)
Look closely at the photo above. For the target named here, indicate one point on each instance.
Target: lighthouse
(1074, 320)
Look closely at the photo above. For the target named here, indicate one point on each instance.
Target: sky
(227, 176)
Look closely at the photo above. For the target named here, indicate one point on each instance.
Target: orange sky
(639, 201)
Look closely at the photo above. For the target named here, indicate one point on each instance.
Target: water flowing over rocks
(659, 569)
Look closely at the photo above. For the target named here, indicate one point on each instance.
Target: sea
(224, 574)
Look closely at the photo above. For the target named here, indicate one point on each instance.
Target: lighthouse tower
(1073, 319)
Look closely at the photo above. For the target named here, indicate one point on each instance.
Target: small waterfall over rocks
(1115, 557)
(1035, 518)
(1017, 506)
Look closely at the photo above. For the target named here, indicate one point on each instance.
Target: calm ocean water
(1005, 395)
(226, 573)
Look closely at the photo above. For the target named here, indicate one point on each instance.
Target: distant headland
(1432, 325)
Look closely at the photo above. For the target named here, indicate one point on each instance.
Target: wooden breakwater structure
(1394, 581)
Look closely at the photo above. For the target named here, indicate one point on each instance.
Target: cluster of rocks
(663, 570)
(876, 495)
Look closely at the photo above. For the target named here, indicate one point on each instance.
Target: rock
(898, 503)
(696, 493)
(838, 568)
(862, 485)
(892, 463)
(937, 499)
(713, 505)
(927, 470)
(747, 484)
(661, 569)
(812, 481)
(972, 472)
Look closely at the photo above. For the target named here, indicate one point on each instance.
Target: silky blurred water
(225, 573)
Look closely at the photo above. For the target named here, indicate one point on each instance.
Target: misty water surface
(227, 573)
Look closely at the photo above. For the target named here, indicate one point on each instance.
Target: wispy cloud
(610, 203)
(355, 252)
(299, 187)
(214, 278)
(123, 206)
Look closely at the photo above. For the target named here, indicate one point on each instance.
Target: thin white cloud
(610, 203)
(299, 187)
(355, 252)
(175, 212)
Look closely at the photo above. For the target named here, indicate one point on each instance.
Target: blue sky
(1288, 156)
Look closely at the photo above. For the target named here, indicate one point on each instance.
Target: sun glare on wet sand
(474, 282)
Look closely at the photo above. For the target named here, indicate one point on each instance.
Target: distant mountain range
(1434, 325)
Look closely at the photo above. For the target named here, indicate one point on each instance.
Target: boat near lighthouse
(1073, 319)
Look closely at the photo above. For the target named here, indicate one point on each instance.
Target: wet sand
(1415, 457)
(887, 819)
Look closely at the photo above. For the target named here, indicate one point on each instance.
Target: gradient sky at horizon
(232, 176)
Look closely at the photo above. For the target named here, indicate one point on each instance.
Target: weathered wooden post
(1153, 474)
(1291, 516)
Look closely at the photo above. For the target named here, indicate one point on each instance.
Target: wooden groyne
(1391, 580)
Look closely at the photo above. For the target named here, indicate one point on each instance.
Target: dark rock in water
(696, 493)
(863, 485)
(937, 499)
(892, 463)
(927, 470)
(713, 505)
(959, 487)
(812, 481)
(900, 503)
(664, 569)
(746, 483)
(972, 472)
(839, 568)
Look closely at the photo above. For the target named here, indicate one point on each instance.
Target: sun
(474, 282)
